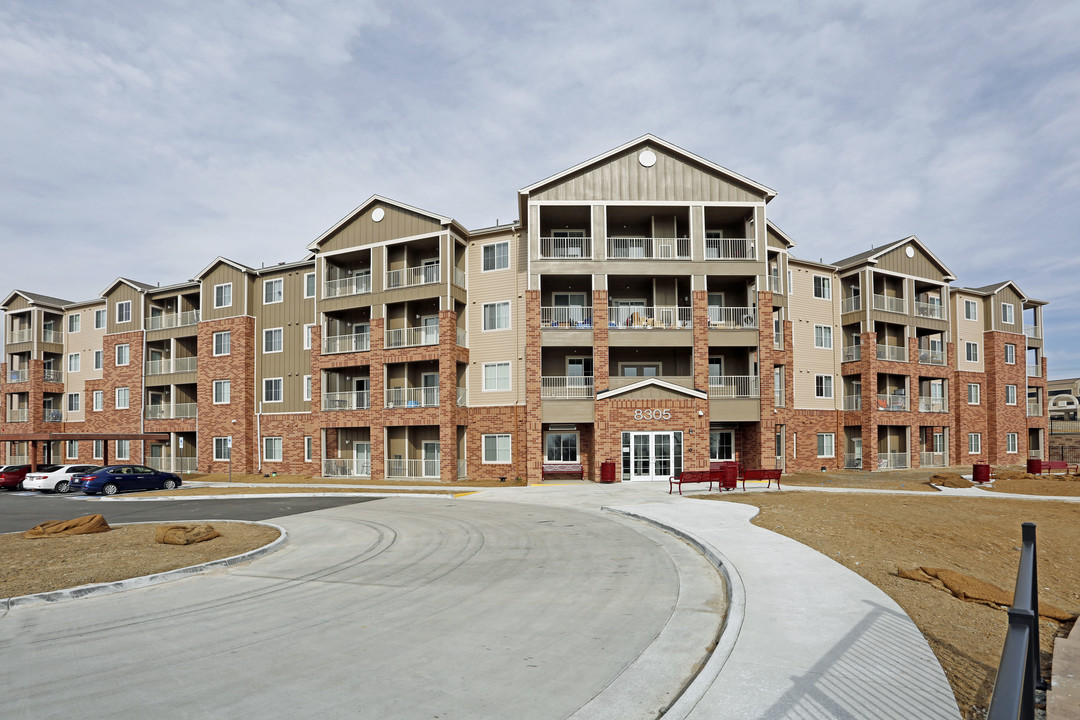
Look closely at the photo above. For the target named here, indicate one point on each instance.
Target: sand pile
(950, 480)
(184, 534)
(971, 589)
(77, 526)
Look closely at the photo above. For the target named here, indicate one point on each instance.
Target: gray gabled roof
(871, 256)
(38, 299)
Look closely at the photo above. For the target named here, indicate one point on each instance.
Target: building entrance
(651, 455)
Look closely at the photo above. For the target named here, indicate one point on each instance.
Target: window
(222, 392)
(971, 310)
(721, 445)
(121, 398)
(307, 388)
(496, 448)
(222, 343)
(497, 376)
(99, 400)
(99, 359)
(971, 351)
(222, 451)
(307, 448)
(99, 450)
(74, 401)
(973, 393)
(123, 354)
(273, 291)
(72, 451)
(561, 447)
(309, 285)
(272, 340)
(1011, 443)
(74, 322)
(307, 336)
(272, 390)
(223, 295)
(123, 449)
(823, 337)
(1010, 394)
(1010, 354)
(99, 319)
(497, 316)
(74, 360)
(123, 311)
(826, 445)
(974, 443)
(823, 386)
(778, 386)
(822, 287)
(1008, 313)
(496, 256)
(272, 449)
(790, 285)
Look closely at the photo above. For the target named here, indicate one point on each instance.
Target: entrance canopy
(35, 438)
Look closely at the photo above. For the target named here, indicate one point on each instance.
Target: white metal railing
(1034, 371)
(646, 248)
(892, 460)
(929, 310)
(343, 287)
(354, 400)
(459, 277)
(175, 365)
(852, 461)
(413, 336)
(775, 285)
(462, 338)
(552, 248)
(638, 317)
(18, 376)
(346, 467)
(1032, 455)
(412, 397)
(408, 277)
(931, 357)
(729, 249)
(932, 459)
(890, 304)
(18, 415)
(53, 415)
(852, 353)
(569, 316)
(853, 402)
(21, 336)
(53, 375)
(897, 353)
(161, 464)
(52, 336)
(462, 395)
(172, 320)
(461, 468)
(1034, 408)
(932, 404)
(733, 386)
(357, 342)
(732, 318)
(412, 468)
(566, 387)
(179, 411)
(1032, 331)
(185, 464)
(851, 304)
(895, 403)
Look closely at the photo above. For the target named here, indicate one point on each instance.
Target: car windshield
(48, 468)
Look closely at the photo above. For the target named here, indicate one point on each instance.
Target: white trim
(228, 393)
(509, 316)
(646, 382)
(491, 244)
(116, 354)
(273, 280)
(119, 305)
(281, 448)
(314, 245)
(305, 276)
(270, 330)
(221, 285)
(483, 448)
(271, 379)
(213, 343)
(509, 377)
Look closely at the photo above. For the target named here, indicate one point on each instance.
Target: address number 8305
(652, 414)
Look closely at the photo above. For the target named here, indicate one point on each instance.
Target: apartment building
(644, 311)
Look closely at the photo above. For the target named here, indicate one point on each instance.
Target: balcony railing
(929, 310)
(852, 353)
(570, 316)
(892, 460)
(852, 461)
(357, 342)
(18, 376)
(853, 402)
(459, 277)
(644, 248)
(851, 304)
(179, 411)
(355, 400)
(19, 459)
(343, 287)
(932, 459)
(52, 415)
(933, 404)
(175, 365)
(409, 277)
(729, 249)
(345, 467)
(566, 387)
(732, 318)
(639, 317)
(462, 338)
(1035, 455)
(172, 320)
(52, 336)
(931, 357)
(397, 468)
(1034, 371)
(176, 464)
(413, 337)
(18, 415)
(412, 397)
(894, 403)
(53, 375)
(1034, 408)
(733, 386)
(897, 353)
(461, 468)
(890, 304)
(558, 248)
(462, 396)
(21, 336)
(775, 285)
(1032, 331)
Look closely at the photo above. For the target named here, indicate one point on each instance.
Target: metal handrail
(412, 276)
(642, 317)
(890, 304)
(559, 248)
(566, 387)
(732, 318)
(734, 386)
(354, 285)
(412, 336)
(566, 316)
(729, 249)
(647, 248)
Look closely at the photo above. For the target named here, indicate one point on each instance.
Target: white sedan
(59, 480)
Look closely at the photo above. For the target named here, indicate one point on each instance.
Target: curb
(96, 589)
(260, 496)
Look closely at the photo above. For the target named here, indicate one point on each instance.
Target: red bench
(769, 475)
(691, 476)
(1052, 465)
(562, 469)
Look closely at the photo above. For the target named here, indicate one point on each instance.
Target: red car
(11, 477)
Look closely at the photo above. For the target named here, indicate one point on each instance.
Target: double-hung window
(74, 361)
(826, 445)
(971, 351)
(822, 287)
(823, 386)
(272, 449)
(497, 316)
(496, 256)
(823, 337)
(74, 322)
(122, 398)
(497, 376)
(222, 342)
(273, 291)
(497, 448)
(971, 310)
(272, 340)
(272, 390)
(123, 311)
(222, 392)
(100, 317)
(223, 295)
(123, 354)
(1008, 313)
(222, 451)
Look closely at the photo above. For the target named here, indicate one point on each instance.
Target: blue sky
(144, 139)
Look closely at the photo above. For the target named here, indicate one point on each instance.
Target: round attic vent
(378, 214)
(647, 158)
(909, 251)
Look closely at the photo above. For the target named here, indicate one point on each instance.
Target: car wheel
(62, 486)
(169, 484)
(109, 489)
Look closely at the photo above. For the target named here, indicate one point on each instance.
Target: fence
(1068, 453)
(1064, 427)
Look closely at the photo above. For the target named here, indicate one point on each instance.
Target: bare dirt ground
(873, 535)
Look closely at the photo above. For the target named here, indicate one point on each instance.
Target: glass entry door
(654, 455)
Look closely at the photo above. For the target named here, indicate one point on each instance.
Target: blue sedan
(121, 478)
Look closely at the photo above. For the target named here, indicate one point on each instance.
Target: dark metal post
(1027, 531)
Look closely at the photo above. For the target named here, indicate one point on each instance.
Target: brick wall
(217, 420)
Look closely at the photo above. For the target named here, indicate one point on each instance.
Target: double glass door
(652, 455)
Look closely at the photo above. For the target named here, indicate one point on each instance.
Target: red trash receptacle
(1034, 466)
(607, 472)
(980, 473)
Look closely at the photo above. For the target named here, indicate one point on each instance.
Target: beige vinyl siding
(969, 331)
(85, 342)
(396, 223)
(220, 275)
(293, 362)
(123, 292)
(496, 345)
(809, 361)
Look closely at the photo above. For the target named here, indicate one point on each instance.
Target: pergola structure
(49, 438)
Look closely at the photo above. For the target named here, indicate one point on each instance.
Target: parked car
(56, 480)
(122, 478)
(12, 476)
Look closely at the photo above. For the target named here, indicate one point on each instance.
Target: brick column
(448, 395)
(376, 382)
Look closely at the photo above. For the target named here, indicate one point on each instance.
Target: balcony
(1032, 331)
(52, 415)
(928, 310)
(852, 353)
(462, 338)
(851, 304)
(176, 365)
(896, 353)
(890, 304)
(566, 316)
(639, 317)
(398, 468)
(892, 460)
(179, 411)
(176, 464)
(561, 248)
(932, 404)
(1034, 371)
(413, 276)
(18, 376)
(20, 336)
(566, 387)
(931, 357)
(18, 415)
(853, 402)
(355, 400)
(1034, 408)
(733, 386)
(52, 336)
(459, 277)
(852, 461)
(775, 284)
(413, 337)
(729, 249)
(53, 375)
(644, 248)
(172, 320)
(357, 342)
(462, 395)
(412, 397)
(343, 467)
(343, 287)
(732, 318)
(893, 403)
(932, 459)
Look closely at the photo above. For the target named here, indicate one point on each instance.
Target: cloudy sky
(144, 139)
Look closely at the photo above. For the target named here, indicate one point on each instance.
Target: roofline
(83, 303)
(284, 266)
(770, 225)
(516, 225)
(801, 261)
(652, 381)
(443, 219)
(889, 247)
(187, 283)
(129, 283)
(222, 259)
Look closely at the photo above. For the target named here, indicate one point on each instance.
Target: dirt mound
(1013, 475)
(76, 526)
(950, 480)
(184, 534)
(971, 589)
